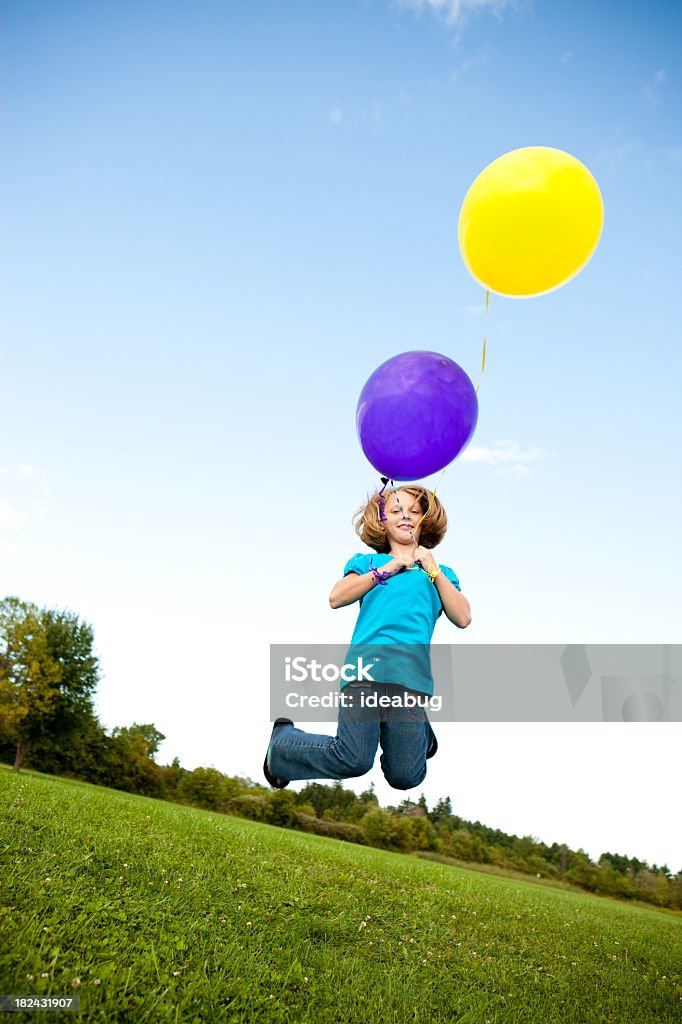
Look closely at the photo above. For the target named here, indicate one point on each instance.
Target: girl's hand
(424, 556)
(403, 560)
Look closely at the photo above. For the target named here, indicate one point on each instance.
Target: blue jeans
(405, 735)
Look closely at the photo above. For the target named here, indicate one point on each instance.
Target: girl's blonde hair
(370, 530)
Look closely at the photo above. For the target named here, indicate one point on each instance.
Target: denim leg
(405, 740)
(295, 754)
(432, 741)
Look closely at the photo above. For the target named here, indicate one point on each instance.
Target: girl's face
(402, 511)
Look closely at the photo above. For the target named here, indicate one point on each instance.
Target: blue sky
(218, 220)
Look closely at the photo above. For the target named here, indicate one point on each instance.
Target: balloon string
(382, 503)
(433, 495)
(487, 296)
(402, 511)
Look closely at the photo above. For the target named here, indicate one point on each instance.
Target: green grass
(155, 912)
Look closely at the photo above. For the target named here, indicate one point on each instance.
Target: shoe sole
(272, 779)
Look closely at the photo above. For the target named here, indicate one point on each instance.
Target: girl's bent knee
(353, 758)
(399, 781)
(353, 767)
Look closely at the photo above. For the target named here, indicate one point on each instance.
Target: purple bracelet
(380, 577)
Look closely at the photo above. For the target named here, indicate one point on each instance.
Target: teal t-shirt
(404, 611)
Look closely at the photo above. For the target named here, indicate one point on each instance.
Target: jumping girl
(402, 590)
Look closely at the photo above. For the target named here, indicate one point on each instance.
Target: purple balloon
(415, 414)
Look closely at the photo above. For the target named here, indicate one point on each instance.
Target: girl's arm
(455, 604)
(352, 587)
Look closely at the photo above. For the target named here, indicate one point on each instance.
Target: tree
(207, 788)
(281, 808)
(408, 809)
(422, 834)
(48, 674)
(145, 739)
(377, 825)
(557, 857)
(332, 802)
(442, 812)
(130, 763)
(171, 775)
(582, 871)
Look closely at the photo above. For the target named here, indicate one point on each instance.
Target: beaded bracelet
(433, 573)
(380, 577)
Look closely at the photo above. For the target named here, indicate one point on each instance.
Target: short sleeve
(358, 564)
(451, 576)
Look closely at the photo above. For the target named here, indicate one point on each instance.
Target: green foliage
(442, 812)
(378, 826)
(169, 777)
(333, 829)
(207, 788)
(422, 834)
(336, 803)
(253, 807)
(144, 740)
(48, 674)
(281, 806)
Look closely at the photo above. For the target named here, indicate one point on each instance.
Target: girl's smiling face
(402, 512)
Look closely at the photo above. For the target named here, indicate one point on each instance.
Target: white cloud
(566, 56)
(506, 456)
(336, 115)
(11, 518)
(480, 59)
(651, 90)
(453, 12)
(30, 472)
(25, 496)
(613, 157)
(9, 550)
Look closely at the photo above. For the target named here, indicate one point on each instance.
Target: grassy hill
(156, 912)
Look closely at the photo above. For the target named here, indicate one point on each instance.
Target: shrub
(280, 808)
(333, 829)
(252, 807)
(207, 788)
(377, 826)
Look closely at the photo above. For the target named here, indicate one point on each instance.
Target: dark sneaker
(274, 780)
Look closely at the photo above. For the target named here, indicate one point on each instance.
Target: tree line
(48, 678)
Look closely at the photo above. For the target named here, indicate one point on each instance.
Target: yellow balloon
(530, 222)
